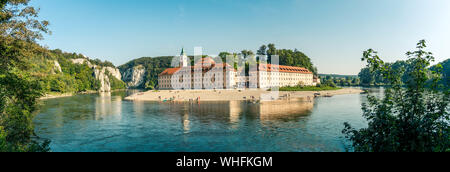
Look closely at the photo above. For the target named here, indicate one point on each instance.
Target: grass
(309, 88)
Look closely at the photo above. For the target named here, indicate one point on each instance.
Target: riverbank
(234, 95)
(54, 95)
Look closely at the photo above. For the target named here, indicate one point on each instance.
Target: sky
(333, 33)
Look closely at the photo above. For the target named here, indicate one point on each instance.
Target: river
(107, 123)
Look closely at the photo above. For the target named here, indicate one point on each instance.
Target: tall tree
(246, 53)
(262, 50)
(411, 116)
(272, 50)
(366, 77)
(19, 29)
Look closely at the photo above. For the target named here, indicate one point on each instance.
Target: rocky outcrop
(100, 73)
(134, 77)
(83, 61)
(114, 72)
(56, 67)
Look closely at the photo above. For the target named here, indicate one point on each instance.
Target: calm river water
(107, 123)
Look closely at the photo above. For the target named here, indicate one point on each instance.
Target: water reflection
(284, 110)
(186, 123)
(139, 108)
(104, 122)
(107, 105)
(231, 113)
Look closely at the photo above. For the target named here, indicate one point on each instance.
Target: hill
(63, 72)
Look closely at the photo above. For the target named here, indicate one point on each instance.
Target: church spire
(182, 52)
(183, 59)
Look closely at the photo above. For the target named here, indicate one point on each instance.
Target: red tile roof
(263, 67)
(170, 71)
(206, 61)
(285, 69)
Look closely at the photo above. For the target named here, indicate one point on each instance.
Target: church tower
(183, 59)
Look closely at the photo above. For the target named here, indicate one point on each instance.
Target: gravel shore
(233, 95)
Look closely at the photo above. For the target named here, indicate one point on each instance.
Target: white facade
(203, 75)
(224, 76)
(267, 79)
(270, 76)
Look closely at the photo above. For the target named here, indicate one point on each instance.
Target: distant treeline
(374, 78)
(333, 80)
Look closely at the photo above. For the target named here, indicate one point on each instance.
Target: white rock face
(100, 74)
(114, 72)
(57, 67)
(82, 61)
(134, 77)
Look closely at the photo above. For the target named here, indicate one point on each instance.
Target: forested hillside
(151, 68)
(56, 72)
(444, 68)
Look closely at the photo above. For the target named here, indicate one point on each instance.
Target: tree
(410, 117)
(19, 29)
(262, 50)
(272, 50)
(445, 67)
(366, 77)
(246, 53)
(223, 56)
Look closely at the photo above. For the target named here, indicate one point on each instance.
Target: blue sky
(333, 33)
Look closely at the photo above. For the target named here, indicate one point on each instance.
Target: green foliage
(115, 83)
(288, 57)
(329, 83)
(339, 80)
(19, 28)
(246, 53)
(74, 78)
(444, 69)
(374, 78)
(153, 66)
(100, 63)
(413, 114)
(18, 93)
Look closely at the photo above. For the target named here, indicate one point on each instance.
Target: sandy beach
(233, 95)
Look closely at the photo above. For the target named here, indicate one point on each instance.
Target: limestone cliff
(101, 74)
(56, 67)
(134, 77)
